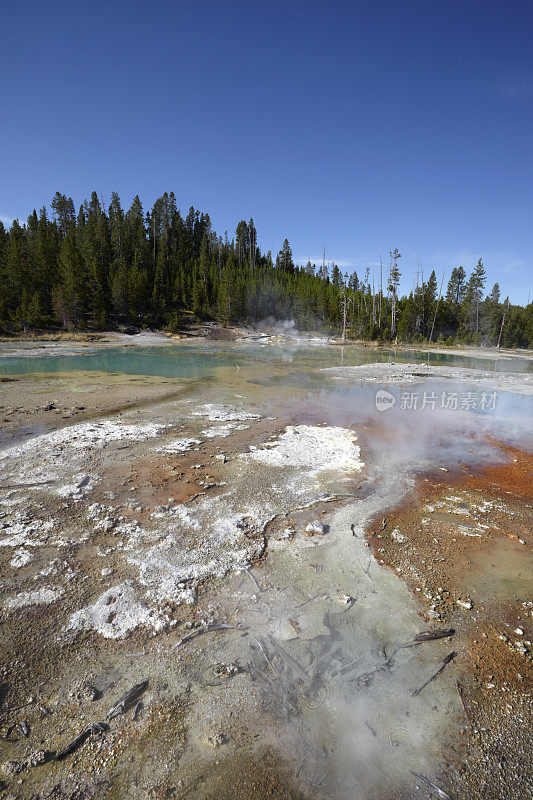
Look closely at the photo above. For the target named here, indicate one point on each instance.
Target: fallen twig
(127, 700)
(205, 629)
(264, 651)
(460, 692)
(198, 494)
(254, 579)
(14, 708)
(94, 727)
(329, 498)
(300, 765)
(429, 636)
(7, 486)
(440, 792)
(447, 660)
(367, 677)
(8, 732)
(293, 664)
(349, 667)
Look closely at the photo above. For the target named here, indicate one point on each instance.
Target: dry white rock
(21, 558)
(346, 598)
(315, 527)
(38, 597)
(220, 413)
(397, 536)
(178, 445)
(224, 430)
(115, 614)
(313, 448)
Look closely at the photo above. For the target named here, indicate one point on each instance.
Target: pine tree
(64, 212)
(224, 299)
(353, 283)
(284, 258)
(336, 276)
(474, 293)
(252, 239)
(106, 265)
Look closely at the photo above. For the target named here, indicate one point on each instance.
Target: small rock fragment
(216, 739)
(107, 571)
(12, 767)
(397, 536)
(286, 533)
(315, 527)
(37, 757)
(84, 690)
(226, 670)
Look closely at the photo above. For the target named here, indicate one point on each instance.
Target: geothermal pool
(215, 519)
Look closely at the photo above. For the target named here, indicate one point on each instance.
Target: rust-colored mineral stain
(484, 558)
(515, 476)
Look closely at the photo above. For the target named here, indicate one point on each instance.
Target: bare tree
(252, 244)
(503, 322)
(373, 301)
(345, 303)
(394, 282)
(380, 286)
(437, 306)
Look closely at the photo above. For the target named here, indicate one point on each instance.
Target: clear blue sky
(347, 124)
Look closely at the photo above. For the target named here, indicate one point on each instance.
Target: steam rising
(332, 652)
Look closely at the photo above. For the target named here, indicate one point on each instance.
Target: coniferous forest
(102, 268)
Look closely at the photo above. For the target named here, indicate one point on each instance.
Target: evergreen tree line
(106, 267)
(458, 312)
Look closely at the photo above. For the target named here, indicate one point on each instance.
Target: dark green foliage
(106, 267)
(284, 258)
(456, 287)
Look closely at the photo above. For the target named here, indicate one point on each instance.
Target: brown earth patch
(463, 542)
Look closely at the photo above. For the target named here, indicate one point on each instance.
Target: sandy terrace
(405, 374)
(26, 406)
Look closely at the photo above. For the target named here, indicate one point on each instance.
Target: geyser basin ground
(140, 516)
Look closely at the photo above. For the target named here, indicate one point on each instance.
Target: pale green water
(192, 360)
(291, 371)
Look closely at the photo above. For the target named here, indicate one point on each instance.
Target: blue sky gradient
(346, 124)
